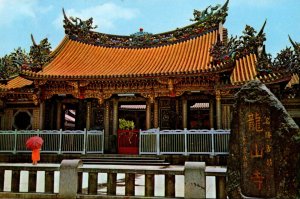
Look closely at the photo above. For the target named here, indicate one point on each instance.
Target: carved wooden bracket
(75, 85)
(38, 83)
(35, 99)
(97, 94)
(151, 96)
(170, 82)
(83, 83)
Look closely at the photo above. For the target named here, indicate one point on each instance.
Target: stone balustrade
(72, 171)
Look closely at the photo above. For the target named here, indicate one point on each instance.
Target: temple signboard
(257, 156)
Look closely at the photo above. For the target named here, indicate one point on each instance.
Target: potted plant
(127, 137)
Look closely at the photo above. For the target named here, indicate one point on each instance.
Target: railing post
(1, 179)
(194, 180)
(129, 184)
(149, 185)
(60, 141)
(49, 181)
(93, 183)
(15, 183)
(212, 132)
(157, 142)
(84, 141)
(68, 181)
(32, 181)
(103, 137)
(220, 187)
(79, 188)
(169, 185)
(111, 183)
(185, 141)
(15, 144)
(140, 142)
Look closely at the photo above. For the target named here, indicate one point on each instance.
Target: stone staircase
(117, 159)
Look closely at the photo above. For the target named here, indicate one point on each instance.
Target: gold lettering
(256, 153)
(251, 124)
(269, 162)
(258, 179)
(258, 127)
(268, 134)
(268, 148)
(267, 121)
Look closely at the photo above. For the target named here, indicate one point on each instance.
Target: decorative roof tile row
(79, 60)
(245, 70)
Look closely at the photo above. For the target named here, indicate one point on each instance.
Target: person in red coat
(35, 156)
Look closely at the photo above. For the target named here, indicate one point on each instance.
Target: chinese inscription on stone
(256, 146)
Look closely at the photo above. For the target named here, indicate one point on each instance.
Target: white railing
(55, 141)
(185, 142)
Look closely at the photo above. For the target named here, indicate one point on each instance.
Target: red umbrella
(34, 142)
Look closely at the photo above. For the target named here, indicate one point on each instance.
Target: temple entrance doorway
(198, 115)
(69, 116)
(132, 117)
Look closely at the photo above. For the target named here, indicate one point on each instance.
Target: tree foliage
(12, 64)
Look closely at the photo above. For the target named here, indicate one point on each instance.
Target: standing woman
(35, 143)
(35, 156)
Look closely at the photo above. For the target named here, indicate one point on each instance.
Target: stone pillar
(106, 126)
(42, 116)
(58, 116)
(218, 109)
(194, 180)
(211, 113)
(148, 114)
(115, 116)
(155, 113)
(184, 112)
(68, 180)
(88, 115)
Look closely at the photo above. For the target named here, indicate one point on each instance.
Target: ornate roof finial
(295, 44)
(262, 29)
(212, 14)
(33, 41)
(76, 27)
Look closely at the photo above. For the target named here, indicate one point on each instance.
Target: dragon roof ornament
(206, 21)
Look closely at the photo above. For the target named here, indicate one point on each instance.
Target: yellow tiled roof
(17, 82)
(80, 60)
(245, 70)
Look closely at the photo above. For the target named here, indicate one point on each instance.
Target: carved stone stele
(264, 147)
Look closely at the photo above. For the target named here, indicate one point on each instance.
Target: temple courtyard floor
(102, 180)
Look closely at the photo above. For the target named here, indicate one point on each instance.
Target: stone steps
(125, 160)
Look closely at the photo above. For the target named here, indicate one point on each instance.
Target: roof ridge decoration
(234, 48)
(39, 55)
(286, 62)
(205, 21)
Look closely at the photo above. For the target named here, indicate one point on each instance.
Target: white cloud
(256, 3)
(13, 9)
(10, 10)
(104, 15)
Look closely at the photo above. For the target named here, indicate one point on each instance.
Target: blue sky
(43, 18)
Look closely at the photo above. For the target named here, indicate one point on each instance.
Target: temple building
(184, 78)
